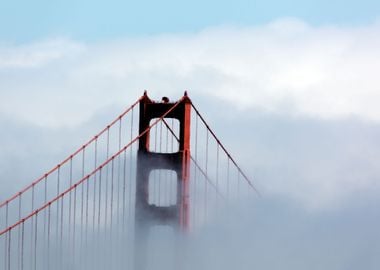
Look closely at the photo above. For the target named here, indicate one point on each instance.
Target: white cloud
(284, 67)
(37, 54)
(287, 68)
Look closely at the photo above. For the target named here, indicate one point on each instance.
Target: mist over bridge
(158, 165)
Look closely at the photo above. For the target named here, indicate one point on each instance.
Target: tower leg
(147, 215)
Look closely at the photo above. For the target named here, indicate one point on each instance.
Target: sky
(298, 79)
(22, 21)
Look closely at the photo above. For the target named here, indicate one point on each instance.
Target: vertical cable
(111, 211)
(195, 167)
(130, 179)
(112, 188)
(48, 239)
(154, 180)
(31, 225)
(172, 176)
(35, 240)
(238, 182)
(161, 136)
(206, 172)
(82, 208)
(228, 177)
(106, 180)
(167, 139)
(70, 204)
(70, 199)
(99, 212)
(74, 223)
(206, 162)
(61, 234)
(100, 196)
(87, 202)
(94, 201)
(86, 214)
(160, 171)
(45, 219)
(57, 219)
(9, 249)
(19, 232)
(45, 201)
(83, 232)
(167, 175)
(6, 236)
(124, 175)
(118, 175)
(172, 138)
(22, 245)
(155, 138)
(217, 172)
(130, 170)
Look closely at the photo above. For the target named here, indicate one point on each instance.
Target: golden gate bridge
(157, 166)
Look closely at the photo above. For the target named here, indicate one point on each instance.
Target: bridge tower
(146, 214)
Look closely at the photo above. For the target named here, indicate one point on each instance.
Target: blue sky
(89, 20)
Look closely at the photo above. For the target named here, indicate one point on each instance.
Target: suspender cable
(22, 246)
(74, 223)
(238, 183)
(203, 173)
(35, 241)
(70, 189)
(118, 177)
(87, 202)
(195, 169)
(9, 249)
(217, 169)
(225, 150)
(130, 169)
(100, 197)
(228, 178)
(31, 228)
(70, 200)
(48, 238)
(206, 172)
(112, 189)
(45, 217)
(61, 234)
(86, 214)
(19, 234)
(6, 237)
(94, 199)
(72, 155)
(160, 171)
(106, 181)
(82, 207)
(124, 187)
(57, 220)
(99, 211)
(111, 212)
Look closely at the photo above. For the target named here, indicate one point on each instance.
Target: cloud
(303, 100)
(285, 67)
(314, 86)
(37, 54)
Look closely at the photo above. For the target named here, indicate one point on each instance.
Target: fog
(296, 106)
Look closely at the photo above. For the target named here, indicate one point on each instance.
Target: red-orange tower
(146, 214)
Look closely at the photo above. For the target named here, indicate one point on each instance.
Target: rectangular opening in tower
(164, 136)
(162, 188)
